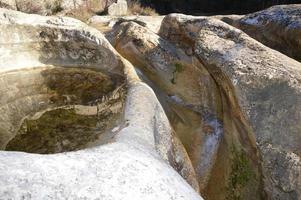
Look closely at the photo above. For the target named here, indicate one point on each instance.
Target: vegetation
(178, 69)
(56, 131)
(241, 174)
(135, 8)
(54, 7)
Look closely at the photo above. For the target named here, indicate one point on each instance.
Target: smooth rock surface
(137, 159)
(200, 113)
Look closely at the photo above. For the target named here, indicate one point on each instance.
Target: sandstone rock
(262, 85)
(9, 4)
(229, 19)
(194, 104)
(130, 160)
(118, 8)
(51, 7)
(278, 27)
(107, 22)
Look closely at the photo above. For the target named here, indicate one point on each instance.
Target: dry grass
(86, 11)
(82, 14)
(135, 8)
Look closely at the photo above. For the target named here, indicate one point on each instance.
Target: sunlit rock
(263, 91)
(278, 27)
(76, 121)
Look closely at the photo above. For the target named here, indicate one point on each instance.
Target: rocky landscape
(150, 107)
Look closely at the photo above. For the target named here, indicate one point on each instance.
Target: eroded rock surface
(106, 23)
(278, 27)
(197, 109)
(119, 8)
(264, 86)
(132, 157)
(51, 7)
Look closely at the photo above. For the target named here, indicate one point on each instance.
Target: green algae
(241, 174)
(178, 68)
(55, 130)
(62, 128)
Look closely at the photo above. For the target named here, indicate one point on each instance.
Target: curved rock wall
(267, 86)
(134, 162)
(195, 103)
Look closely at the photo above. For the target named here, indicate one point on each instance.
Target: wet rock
(132, 157)
(263, 85)
(278, 27)
(195, 106)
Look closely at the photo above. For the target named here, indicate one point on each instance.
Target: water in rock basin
(58, 109)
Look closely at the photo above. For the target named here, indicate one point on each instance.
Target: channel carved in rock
(59, 109)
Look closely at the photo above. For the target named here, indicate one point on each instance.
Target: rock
(278, 27)
(9, 4)
(131, 159)
(262, 86)
(51, 7)
(107, 22)
(119, 8)
(195, 106)
(94, 5)
(229, 19)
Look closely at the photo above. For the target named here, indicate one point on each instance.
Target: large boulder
(278, 27)
(52, 7)
(262, 88)
(110, 135)
(213, 131)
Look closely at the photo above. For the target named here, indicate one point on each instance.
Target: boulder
(119, 8)
(262, 88)
(278, 27)
(106, 23)
(9, 4)
(52, 7)
(123, 147)
(198, 110)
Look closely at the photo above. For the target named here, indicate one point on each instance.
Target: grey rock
(263, 83)
(278, 27)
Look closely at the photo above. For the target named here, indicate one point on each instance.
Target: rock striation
(262, 86)
(234, 103)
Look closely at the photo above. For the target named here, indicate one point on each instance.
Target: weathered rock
(263, 85)
(106, 23)
(119, 8)
(229, 19)
(51, 7)
(9, 4)
(197, 109)
(278, 27)
(129, 161)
